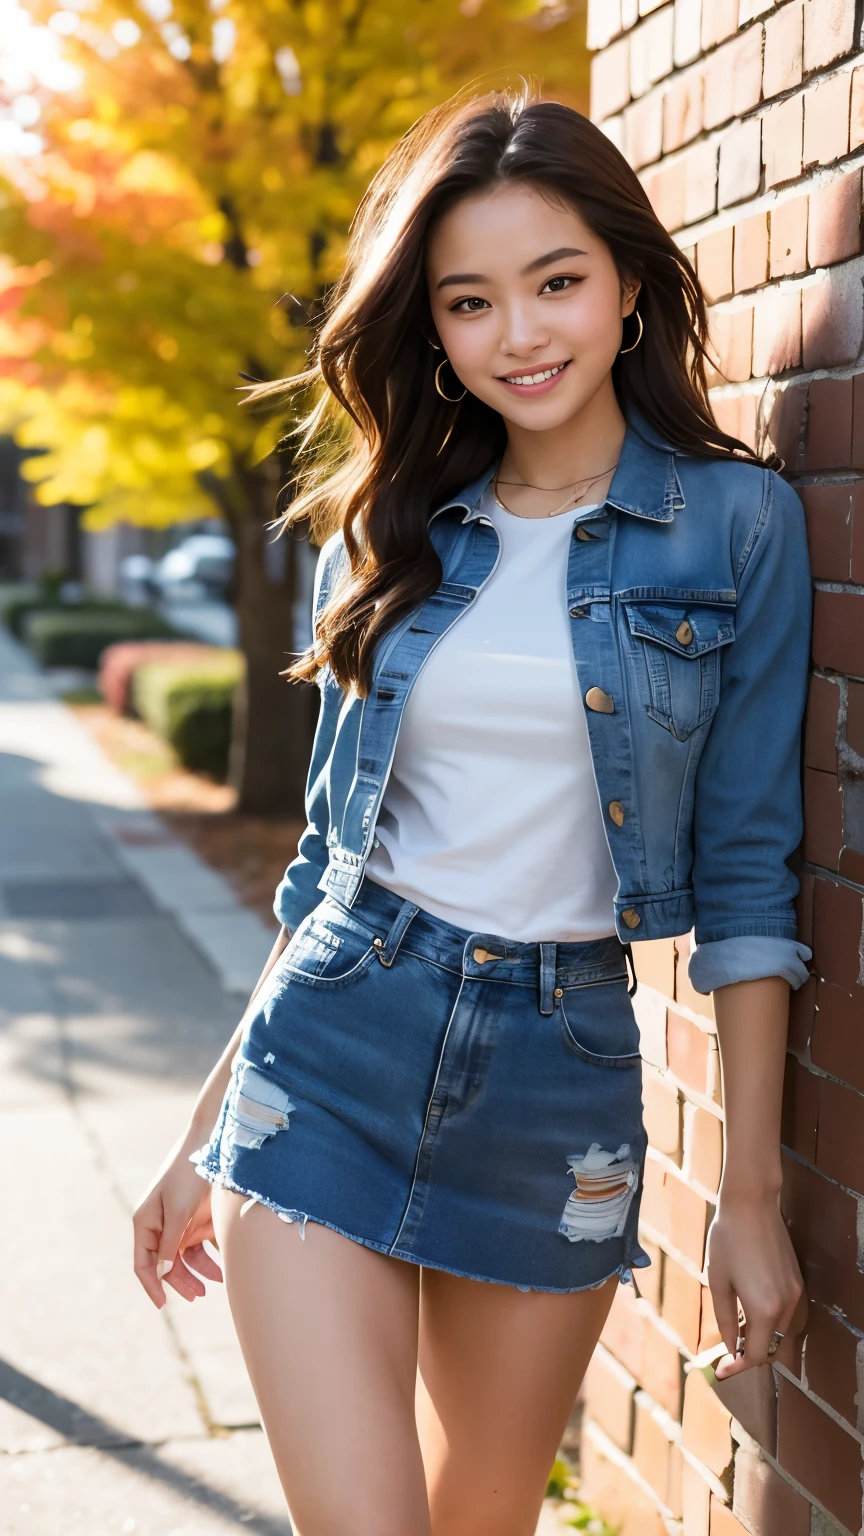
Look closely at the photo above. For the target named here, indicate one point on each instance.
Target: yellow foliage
(177, 199)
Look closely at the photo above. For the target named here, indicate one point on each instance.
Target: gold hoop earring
(451, 399)
(622, 350)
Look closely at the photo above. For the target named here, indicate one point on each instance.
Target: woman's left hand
(752, 1265)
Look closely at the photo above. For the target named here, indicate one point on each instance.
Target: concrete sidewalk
(121, 959)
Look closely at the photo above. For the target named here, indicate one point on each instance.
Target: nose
(523, 331)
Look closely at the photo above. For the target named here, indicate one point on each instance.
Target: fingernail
(163, 1267)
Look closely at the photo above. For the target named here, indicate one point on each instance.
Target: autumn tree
(172, 210)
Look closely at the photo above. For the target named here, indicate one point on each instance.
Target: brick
(643, 130)
(706, 1430)
(835, 221)
(763, 1500)
(704, 1147)
(748, 10)
(786, 423)
(604, 22)
(733, 78)
(714, 264)
(832, 1362)
(700, 182)
(838, 632)
(784, 50)
(647, 6)
(687, 38)
(624, 1330)
(820, 1455)
(831, 317)
(662, 1113)
(656, 1182)
(826, 120)
(800, 1109)
(750, 255)
(782, 140)
(857, 534)
(608, 1393)
(731, 336)
(650, 1278)
(829, 31)
(823, 703)
(751, 1398)
(837, 928)
(858, 420)
(652, 1450)
(665, 188)
(651, 51)
(681, 1306)
(629, 13)
(740, 163)
(684, 992)
(687, 1050)
(696, 1502)
(804, 904)
(855, 718)
(654, 960)
(789, 237)
(776, 330)
(688, 1221)
(719, 21)
(624, 1502)
(610, 80)
(839, 1142)
(829, 424)
(723, 1522)
(823, 819)
(822, 1219)
(828, 509)
(856, 109)
(662, 1374)
(682, 110)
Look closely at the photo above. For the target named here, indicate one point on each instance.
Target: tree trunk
(274, 720)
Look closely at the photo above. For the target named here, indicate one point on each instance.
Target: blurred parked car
(200, 568)
(137, 587)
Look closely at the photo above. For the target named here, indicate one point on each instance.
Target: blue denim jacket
(689, 601)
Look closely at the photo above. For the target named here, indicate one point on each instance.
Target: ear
(629, 294)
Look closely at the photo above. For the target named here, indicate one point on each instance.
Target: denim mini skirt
(453, 1099)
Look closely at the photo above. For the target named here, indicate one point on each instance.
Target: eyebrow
(457, 279)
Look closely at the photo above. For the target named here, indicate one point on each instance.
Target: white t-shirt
(490, 817)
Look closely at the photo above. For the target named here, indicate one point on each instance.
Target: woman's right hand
(171, 1223)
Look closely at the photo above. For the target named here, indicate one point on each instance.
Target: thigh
(499, 1371)
(328, 1331)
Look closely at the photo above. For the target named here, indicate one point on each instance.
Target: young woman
(561, 638)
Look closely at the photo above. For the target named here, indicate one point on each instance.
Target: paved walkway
(123, 963)
(114, 1418)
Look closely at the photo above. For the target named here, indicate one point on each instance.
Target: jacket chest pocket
(676, 649)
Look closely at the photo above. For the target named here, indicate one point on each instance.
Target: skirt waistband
(488, 956)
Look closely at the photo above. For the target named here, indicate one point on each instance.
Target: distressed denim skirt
(454, 1099)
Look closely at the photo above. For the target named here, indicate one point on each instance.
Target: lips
(536, 378)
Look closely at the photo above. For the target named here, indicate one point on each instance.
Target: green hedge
(17, 610)
(76, 637)
(190, 705)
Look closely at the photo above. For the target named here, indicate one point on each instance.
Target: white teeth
(536, 378)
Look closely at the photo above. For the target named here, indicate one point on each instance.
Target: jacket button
(631, 918)
(599, 701)
(684, 633)
(582, 533)
(577, 613)
(616, 811)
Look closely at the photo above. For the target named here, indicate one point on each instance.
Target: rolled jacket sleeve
(748, 808)
(297, 893)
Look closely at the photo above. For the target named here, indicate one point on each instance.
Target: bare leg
(328, 1330)
(499, 1372)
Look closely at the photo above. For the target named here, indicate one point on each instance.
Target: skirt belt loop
(548, 964)
(388, 950)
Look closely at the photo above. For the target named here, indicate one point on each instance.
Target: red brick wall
(745, 122)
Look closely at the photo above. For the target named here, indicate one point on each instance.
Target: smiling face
(527, 303)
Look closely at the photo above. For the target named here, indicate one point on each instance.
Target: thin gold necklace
(565, 505)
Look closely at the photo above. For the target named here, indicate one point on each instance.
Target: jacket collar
(645, 483)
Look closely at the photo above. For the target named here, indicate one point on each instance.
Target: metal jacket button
(616, 811)
(582, 533)
(684, 633)
(602, 702)
(631, 918)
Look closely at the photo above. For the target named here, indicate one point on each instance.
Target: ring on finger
(776, 1339)
(740, 1344)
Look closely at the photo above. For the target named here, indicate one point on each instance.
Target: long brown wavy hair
(369, 453)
